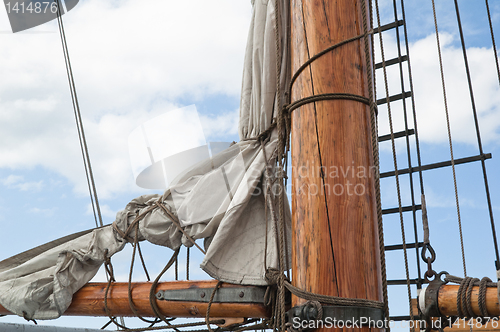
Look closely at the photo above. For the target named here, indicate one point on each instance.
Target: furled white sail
(220, 200)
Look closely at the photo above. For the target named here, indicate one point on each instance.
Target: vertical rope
(374, 130)
(415, 127)
(111, 278)
(493, 42)
(395, 166)
(135, 246)
(152, 291)
(79, 123)
(495, 242)
(207, 316)
(187, 262)
(143, 262)
(281, 148)
(177, 268)
(449, 139)
(478, 133)
(412, 98)
(407, 140)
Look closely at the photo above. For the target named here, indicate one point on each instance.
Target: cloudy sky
(135, 60)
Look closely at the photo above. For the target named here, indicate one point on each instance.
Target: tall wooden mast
(335, 246)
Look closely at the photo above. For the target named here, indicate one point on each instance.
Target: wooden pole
(335, 246)
(447, 300)
(89, 301)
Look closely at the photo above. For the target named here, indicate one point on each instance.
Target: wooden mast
(335, 246)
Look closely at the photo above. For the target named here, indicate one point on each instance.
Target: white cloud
(132, 61)
(12, 179)
(220, 125)
(47, 212)
(17, 182)
(429, 94)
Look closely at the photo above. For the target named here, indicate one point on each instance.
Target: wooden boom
(447, 300)
(89, 301)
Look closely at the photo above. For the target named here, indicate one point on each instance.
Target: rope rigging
(450, 142)
(79, 123)
(427, 245)
(493, 40)
(396, 174)
(478, 135)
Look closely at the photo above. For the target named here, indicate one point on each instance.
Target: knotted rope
(156, 205)
(464, 294)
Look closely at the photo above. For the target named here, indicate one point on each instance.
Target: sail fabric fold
(221, 200)
(40, 283)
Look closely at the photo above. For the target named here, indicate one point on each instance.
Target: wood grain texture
(335, 237)
(447, 300)
(89, 301)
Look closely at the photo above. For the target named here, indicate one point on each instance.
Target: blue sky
(133, 62)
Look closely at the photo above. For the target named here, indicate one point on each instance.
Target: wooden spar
(447, 300)
(89, 301)
(335, 246)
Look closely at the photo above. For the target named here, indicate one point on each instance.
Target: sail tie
(157, 205)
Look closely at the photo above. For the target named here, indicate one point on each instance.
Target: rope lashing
(272, 276)
(325, 96)
(158, 204)
(134, 226)
(464, 294)
(320, 54)
(482, 296)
